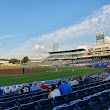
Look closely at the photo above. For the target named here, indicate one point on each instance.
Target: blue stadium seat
(23, 100)
(45, 104)
(19, 96)
(45, 95)
(102, 87)
(59, 106)
(28, 106)
(82, 105)
(59, 100)
(12, 108)
(30, 94)
(67, 107)
(6, 96)
(79, 94)
(70, 97)
(74, 88)
(95, 100)
(89, 91)
(104, 100)
(81, 87)
(5, 99)
(7, 104)
(37, 97)
(87, 85)
(91, 105)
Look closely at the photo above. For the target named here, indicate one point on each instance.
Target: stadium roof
(76, 50)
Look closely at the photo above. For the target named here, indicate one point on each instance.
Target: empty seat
(23, 100)
(12, 108)
(19, 96)
(7, 104)
(59, 100)
(79, 94)
(45, 104)
(70, 96)
(57, 107)
(67, 107)
(28, 106)
(5, 99)
(37, 97)
(82, 105)
(81, 87)
(6, 96)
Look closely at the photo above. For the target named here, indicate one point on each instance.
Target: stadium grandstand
(98, 55)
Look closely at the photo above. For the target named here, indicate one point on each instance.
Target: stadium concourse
(78, 93)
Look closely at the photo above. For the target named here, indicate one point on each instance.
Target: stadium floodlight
(100, 37)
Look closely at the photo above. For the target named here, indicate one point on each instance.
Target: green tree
(25, 59)
(14, 60)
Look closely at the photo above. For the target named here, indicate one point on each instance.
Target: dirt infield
(19, 71)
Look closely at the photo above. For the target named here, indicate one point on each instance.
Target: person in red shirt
(44, 86)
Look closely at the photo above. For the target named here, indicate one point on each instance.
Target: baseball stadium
(88, 67)
(55, 55)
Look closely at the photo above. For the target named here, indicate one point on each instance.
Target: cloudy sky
(30, 27)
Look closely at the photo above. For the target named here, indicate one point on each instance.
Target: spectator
(89, 78)
(69, 81)
(35, 87)
(25, 88)
(54, 92)
(14, 90)
(107, 78)
(1, 91)
(59, 83)
(65, 88)
(7, 90)
(44, 86)
(74, 82)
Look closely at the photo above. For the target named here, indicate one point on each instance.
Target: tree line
(17, 61)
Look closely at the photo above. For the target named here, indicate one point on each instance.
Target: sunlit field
(63, 72)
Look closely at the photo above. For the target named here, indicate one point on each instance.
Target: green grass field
(63, 72)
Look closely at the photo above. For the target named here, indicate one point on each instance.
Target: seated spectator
(14, 90)
(35, 87)
(89, 78)
(25, 88)
(1, 91)
(107, 78)
(7, 90)
(44, 86)
(65, 88)
(74, 82)
(59, 83)
(54, 92)
(69, 81)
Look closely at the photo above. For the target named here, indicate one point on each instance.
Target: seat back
(23, 100)
(7, 104)
(45, 104)
(12, 108)
(37, 97)
(28, 106)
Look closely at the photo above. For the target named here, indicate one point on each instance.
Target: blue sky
(30, 27)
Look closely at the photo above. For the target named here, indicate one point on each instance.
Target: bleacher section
(93, 95)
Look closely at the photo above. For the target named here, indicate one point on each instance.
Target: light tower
(55, 47)
(100, 38)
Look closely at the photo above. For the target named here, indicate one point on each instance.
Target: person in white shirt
(107, 78)
(54, 92)
(74, 82)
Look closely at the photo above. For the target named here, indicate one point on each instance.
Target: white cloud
(8, 36)
(107, 39)
(69, 37)
(37, 47)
